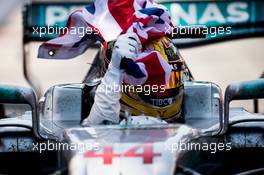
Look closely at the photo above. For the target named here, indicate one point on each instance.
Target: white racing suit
(106, 107)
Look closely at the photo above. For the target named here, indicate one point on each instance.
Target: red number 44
(108, 154)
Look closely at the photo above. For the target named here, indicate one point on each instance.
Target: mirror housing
(20, 95)
(203, 107)
(245, 90)
(63, 106)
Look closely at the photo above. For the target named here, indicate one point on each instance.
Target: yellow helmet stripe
(138, 108)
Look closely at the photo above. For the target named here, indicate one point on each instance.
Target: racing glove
(127, 46)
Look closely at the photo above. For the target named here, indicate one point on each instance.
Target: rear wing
(220, 20)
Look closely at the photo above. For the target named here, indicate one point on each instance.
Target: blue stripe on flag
(152, 11)
(91, 8)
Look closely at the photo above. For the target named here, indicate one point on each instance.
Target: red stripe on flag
(52, 45)
(122, 11)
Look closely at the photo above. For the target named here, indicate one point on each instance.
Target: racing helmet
(165, 104)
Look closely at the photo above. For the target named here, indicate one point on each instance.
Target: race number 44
(147, 154)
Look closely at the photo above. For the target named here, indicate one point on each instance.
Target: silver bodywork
(59, 120)
(57, 112)
(155, 149)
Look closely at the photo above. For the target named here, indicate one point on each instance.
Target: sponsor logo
(184, 13)
(58, 15)
(208, 13)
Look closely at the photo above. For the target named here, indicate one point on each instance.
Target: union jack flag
(110, 18)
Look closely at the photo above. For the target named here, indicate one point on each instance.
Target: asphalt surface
(220, 63)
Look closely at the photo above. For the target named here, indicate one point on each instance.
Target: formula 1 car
(48, 138)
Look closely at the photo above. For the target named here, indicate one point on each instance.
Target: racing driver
(112, 103)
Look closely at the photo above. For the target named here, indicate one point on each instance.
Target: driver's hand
(127, 46)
